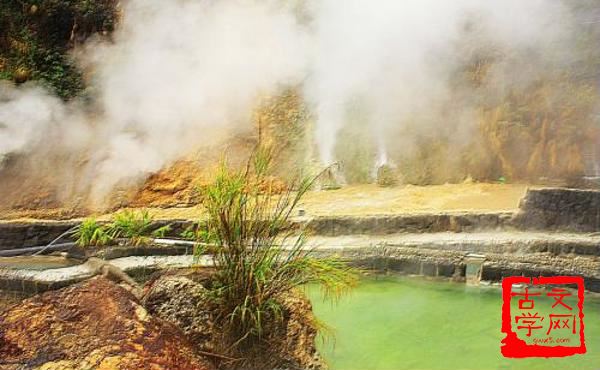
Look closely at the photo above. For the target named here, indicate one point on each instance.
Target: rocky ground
(93, 325)
(183, 301)
(98, 324)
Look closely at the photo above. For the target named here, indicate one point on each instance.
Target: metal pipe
(63, 246)
(56, 239)
(176, 242)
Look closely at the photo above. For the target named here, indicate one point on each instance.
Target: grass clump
(91, 233)
(259, 258)
(136, 227)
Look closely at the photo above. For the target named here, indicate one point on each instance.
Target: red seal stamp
(542, 317)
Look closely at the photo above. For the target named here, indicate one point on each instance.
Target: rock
(93, 325)
(21, 75)
(299, 350)
(186, 304)
(560, 209)
(17, 234)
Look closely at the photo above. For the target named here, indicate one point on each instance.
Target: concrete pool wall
(553, 233)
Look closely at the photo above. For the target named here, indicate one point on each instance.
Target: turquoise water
(409, 323)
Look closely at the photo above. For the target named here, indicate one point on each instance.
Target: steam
(398, 56)
(179, 75)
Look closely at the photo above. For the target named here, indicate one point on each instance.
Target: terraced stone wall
(560, 209)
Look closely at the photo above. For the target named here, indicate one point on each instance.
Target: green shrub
(253, 268)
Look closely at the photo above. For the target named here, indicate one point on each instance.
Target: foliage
(135, 226)
(259, 258)
(90, 233)
(36, 36)
(162, 231)
(191, 232)
(130, 224)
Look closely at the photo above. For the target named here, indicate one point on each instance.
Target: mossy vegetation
(37, 35)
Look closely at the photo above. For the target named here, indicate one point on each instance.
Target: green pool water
(410, 323)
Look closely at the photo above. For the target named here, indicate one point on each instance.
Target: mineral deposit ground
(361, 200)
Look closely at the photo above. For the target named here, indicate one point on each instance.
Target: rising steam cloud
(178, 74)
(397, 56)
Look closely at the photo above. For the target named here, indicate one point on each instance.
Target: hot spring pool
(410, 323)
(36, 262)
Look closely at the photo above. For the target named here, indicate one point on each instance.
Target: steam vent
(263, 185)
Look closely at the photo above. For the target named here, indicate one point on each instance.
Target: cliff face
(541, 130)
